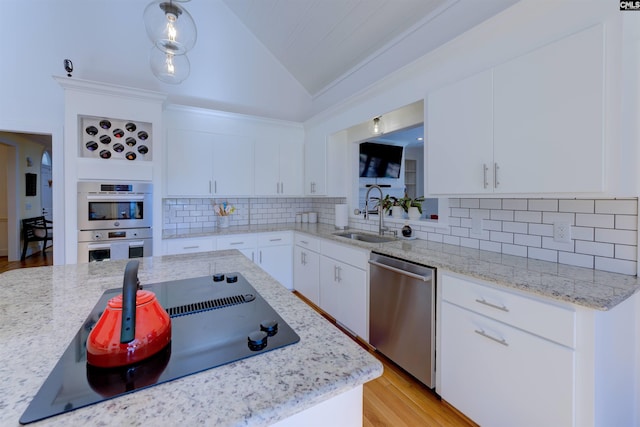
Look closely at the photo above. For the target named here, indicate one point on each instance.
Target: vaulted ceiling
(321, 41)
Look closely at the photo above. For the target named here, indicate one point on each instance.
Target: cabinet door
(315, 169)
(459, 137)
(232, 165)
(343, 294)
(277, 261)
(306, 273)
(549, 118)
(267, 169)
(189, 167)
(501, 376)
(291, 169)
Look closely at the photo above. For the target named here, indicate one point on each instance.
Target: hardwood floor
(35, 260)
(396, 399)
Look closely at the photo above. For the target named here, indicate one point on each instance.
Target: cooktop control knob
(232, 278)
(218, 277)
(269, 326)
(257, 340)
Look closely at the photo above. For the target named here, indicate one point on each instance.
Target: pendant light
(173, 32)
(170, 27)
(167, 67)
(377, 127)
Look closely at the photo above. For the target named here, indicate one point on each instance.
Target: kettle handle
(129, 291)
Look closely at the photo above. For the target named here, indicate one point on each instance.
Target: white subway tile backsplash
(515, 204)
(626, 252)
(595, 220)
(543, 254)
(545, 205)
(594, 248)
(618, 206)
(515, 227)
(616, 265)
(491, 204)
(514, 250)
(541, 229)
(527, 216)
(604, 232)
(486, 245)
(527, 240)
(580, 260)
(626, 222)
(625, 237)
(582, 206)
(470, 203)
(551, 217)
(501, 215)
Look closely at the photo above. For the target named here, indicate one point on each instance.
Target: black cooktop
(215, 320)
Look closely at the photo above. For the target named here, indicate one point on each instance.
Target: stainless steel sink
(363, 237)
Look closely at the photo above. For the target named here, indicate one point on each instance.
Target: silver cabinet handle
(275, 240)
(215, 187)
(260, 257)
(496, 182)
(488, 304)
(303, 258)
(235, 243)
(252, 256)
(485, 169)
(498, 340)
(282, 187)
(304, 242)
(209, 186)
(336, 274)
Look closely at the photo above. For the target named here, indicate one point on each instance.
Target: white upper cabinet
(459, 137)
(532, 125)
(549, 119)
(278, 168)
(208, 164)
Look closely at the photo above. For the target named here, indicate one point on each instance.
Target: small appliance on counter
(214, 320)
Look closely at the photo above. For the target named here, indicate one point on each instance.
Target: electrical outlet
(562, 232)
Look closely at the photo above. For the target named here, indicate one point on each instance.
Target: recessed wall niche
(106, 138)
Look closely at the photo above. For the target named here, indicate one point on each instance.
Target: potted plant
(388, 203)
(412, 206)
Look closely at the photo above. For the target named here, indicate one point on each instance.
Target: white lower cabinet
(189, 245)
(506, 359)
(344, 286)
(245, 243)
(306, 267)
(275, 256)
(498, 375)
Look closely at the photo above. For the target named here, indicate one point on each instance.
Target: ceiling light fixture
(377, 127)
(173, 32)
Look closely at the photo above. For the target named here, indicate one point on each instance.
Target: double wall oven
(114, 220)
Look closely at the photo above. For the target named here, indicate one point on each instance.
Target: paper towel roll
(342, 216)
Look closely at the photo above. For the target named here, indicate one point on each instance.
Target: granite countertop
(44, 307)
(594, 289)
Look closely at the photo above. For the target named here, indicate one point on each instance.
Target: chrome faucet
(381, 227)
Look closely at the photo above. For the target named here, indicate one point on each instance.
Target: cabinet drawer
(275, 239)
(187, 246)
(547, 320)
(308, 242)
(237, 241)
(355, 257)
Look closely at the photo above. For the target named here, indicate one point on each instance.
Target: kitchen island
(320, 376)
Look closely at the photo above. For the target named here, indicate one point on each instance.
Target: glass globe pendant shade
(169, 68)
(170, 27)
(377, 127)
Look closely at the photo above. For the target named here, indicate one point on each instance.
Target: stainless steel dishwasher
(402, 314)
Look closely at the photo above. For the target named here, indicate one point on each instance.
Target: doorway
(22, 154)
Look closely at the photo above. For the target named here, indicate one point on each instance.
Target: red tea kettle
(144, 326)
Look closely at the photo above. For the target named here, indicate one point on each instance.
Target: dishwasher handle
(424, 277)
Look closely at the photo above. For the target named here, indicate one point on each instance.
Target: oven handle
(116, 198)
(136, 244)
(92, 246)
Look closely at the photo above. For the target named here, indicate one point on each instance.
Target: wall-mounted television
(380, 160)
